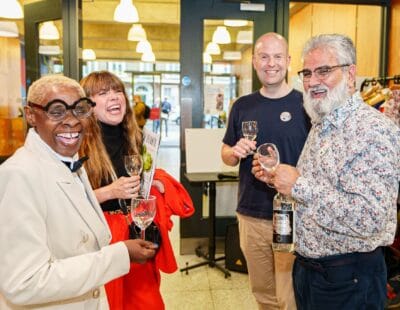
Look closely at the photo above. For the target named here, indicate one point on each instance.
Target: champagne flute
(250, 130)
(143, 211)
(268, 157)
(133, 164)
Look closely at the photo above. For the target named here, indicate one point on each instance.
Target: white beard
(318, 108)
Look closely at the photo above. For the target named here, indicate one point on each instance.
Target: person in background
(281, 119)
(54, 239)
(345, 184)
(113, 133)
(220, 102)
(155, 115)
(140, 110)
(165, 110)
(220, 109)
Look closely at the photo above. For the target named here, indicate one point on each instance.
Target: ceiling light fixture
(244, 37)
(88, 54)
(232, 55)
(143, 47)
(126, 12)
(148, 56)
(48, 31)
(8, 29)
(235, 22)
(49, 50)
(213, 49)
(221, 35)
(207, 59)
(11, 9)
(136, 33)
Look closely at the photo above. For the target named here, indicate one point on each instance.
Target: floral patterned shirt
(347, 191)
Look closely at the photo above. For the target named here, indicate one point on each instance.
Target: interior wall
(394, 39)
(11, 125)
(362, 23)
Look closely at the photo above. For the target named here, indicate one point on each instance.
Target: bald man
(281, 119)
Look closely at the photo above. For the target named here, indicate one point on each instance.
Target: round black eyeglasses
(57, 109)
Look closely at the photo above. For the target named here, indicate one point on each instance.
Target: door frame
(70, 12)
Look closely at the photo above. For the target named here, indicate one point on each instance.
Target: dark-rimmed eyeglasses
(57, 109)
(320, 73)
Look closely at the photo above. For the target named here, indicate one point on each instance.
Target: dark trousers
(354, 281)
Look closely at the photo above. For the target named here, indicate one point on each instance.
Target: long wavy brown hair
(99, 167)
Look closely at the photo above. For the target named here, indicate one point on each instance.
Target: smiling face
(110, 106)
(322, 95)
(108, 91)
(271, 60)
(65, 136)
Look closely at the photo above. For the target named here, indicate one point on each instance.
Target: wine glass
(268, 157)
(143, 211)
(133, 164)
(250, 130)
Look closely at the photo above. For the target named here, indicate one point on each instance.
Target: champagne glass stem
(143, 234)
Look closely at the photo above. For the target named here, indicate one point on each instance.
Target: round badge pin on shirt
(285, 116)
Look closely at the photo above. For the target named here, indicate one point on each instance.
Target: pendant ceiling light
(11, 9)
(88, 54)
(143, 46)
(244, 37)
(49, 50)
(207, 59)
(213, 49)
(8, 29)
(126, 12)
(136, 33)
(48, 31)
(232, 55)
(148, 56)
(235, 22)
(221, 35)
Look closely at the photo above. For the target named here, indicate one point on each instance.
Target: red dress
(140, 288)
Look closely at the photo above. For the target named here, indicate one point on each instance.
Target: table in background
(209, 180)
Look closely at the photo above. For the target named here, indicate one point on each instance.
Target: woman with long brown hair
(113, 133)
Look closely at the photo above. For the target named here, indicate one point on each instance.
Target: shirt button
(85, 238)
(96, 293)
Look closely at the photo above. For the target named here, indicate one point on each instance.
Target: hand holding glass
(143, 211)
(268, 157)
(250, 130)
(133, 164)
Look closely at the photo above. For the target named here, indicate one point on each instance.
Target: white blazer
(54, 251)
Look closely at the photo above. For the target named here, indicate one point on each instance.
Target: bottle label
(283, 225)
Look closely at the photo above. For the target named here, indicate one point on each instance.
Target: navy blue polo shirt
(281, 121)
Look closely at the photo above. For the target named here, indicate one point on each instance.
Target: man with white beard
(345, 185)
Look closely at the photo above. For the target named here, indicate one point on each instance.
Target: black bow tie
(77, 164)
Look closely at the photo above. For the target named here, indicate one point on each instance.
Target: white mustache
(318, 108)
(317, 88)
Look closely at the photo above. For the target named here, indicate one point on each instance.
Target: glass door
(154, 89)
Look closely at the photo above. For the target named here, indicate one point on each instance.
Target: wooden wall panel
(360, 22)
(10, 75)
(12, 129)
(394, 39)
(334, 18)
(368, 40)
(299, 32)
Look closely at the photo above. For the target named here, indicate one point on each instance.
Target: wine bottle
(283, 221)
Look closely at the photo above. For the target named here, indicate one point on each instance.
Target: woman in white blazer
(54, 240)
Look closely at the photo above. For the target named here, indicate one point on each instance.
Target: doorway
(154, 89)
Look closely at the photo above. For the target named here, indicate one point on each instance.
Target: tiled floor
(203, 288)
